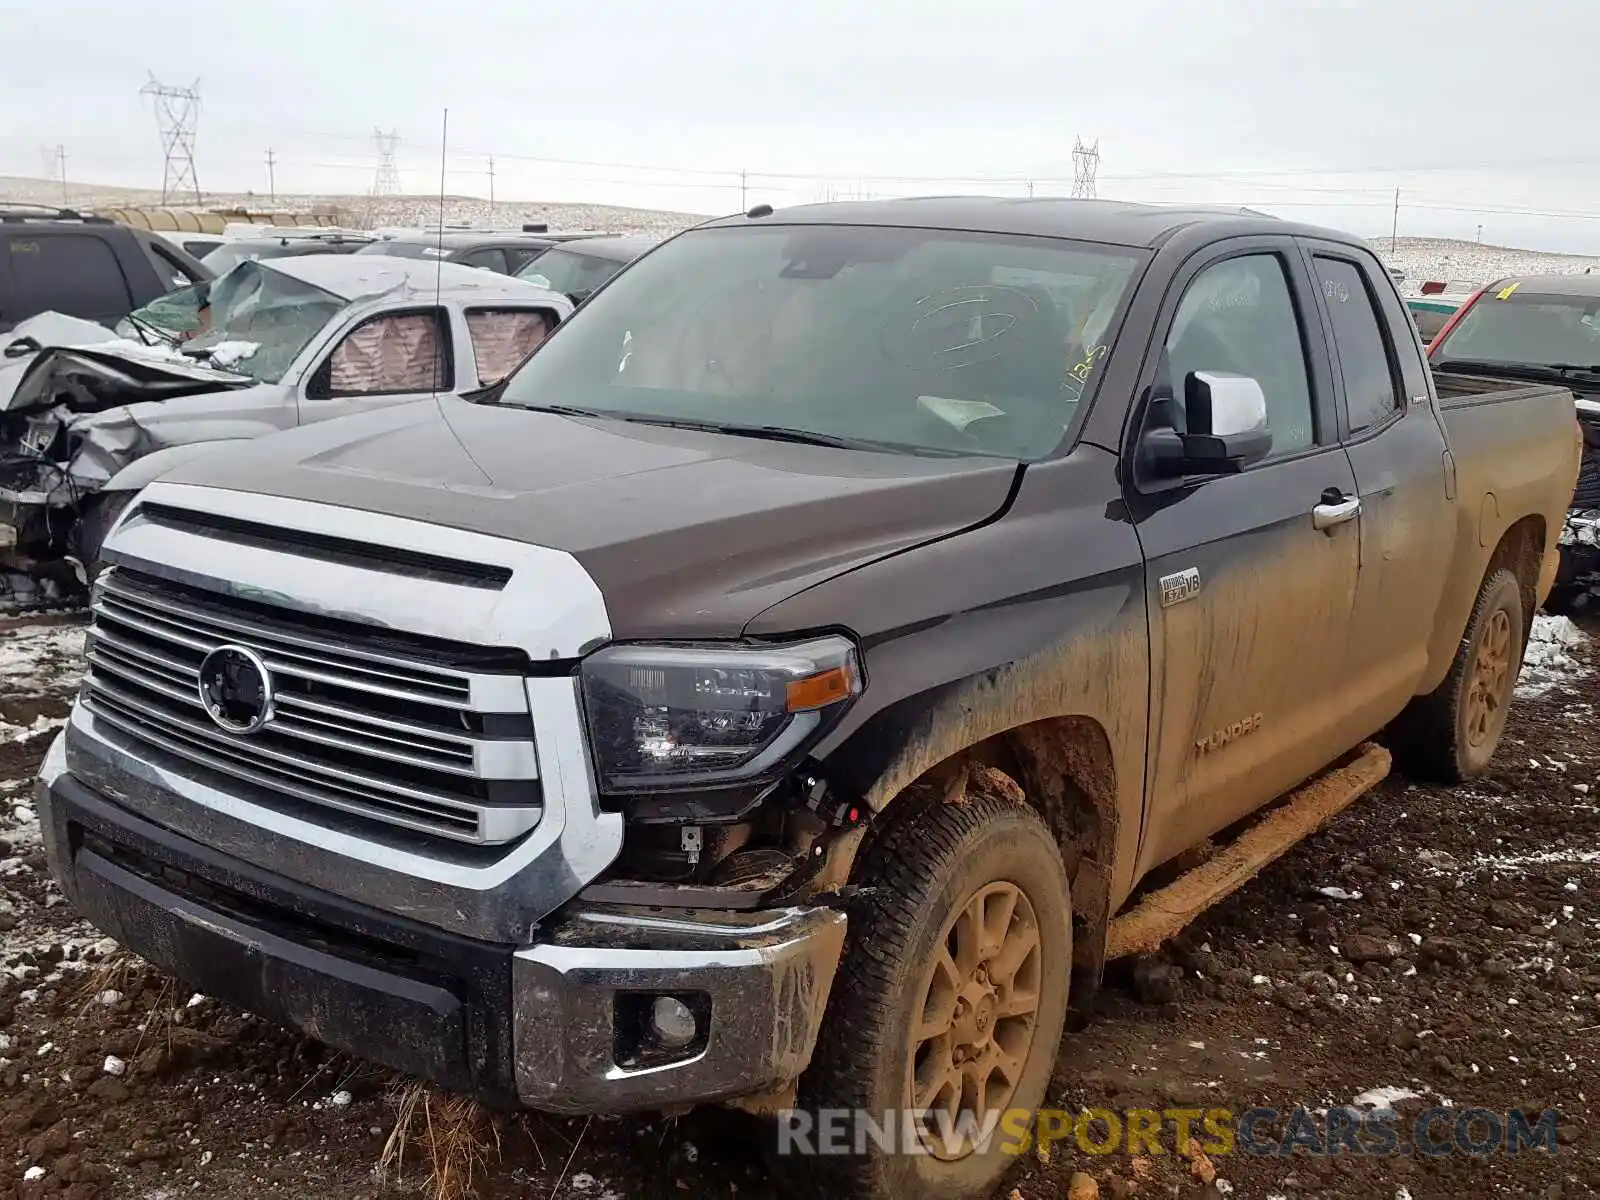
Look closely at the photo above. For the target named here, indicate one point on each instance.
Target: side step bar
(1162, 913)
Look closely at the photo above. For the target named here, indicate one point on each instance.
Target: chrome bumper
(762, 980)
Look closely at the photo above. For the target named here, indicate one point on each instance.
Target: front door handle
(1332, 512)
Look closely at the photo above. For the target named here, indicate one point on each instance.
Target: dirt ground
(1439, 943)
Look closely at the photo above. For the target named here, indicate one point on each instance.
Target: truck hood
(687, 534)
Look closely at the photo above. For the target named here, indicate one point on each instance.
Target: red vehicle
(1543, 328)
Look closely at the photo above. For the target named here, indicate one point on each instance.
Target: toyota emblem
(236, 689)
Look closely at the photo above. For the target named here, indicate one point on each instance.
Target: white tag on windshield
(959, 413)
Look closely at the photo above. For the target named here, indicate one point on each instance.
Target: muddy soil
(1438, 942)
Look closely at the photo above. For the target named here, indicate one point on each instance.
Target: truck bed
(1506, 439)
(1456, 391)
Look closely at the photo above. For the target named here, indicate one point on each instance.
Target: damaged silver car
(89, 416)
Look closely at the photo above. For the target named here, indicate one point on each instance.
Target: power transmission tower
(1085, 165)
(55, 167)
(387, 180)
(272, 177)
(177, 116)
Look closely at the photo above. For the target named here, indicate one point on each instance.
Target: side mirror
(579, 296)
(1225, 419)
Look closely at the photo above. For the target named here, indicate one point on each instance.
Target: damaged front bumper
(561, 1024)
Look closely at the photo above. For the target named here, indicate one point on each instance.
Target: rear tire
(1451, 733)
(954, 977)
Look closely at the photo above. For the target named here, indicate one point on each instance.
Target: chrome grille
(361, 729)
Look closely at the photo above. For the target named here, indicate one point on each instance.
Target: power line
(178, 117)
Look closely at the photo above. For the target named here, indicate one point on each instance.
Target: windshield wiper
(807, 437)
(776, 433)
(1554, 371)
(141, 326)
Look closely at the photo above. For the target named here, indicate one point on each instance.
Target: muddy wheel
(100, 513)
(948, 1008)
(1451, 733)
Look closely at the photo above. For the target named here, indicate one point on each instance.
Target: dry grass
(452, 1135)
(115, 974)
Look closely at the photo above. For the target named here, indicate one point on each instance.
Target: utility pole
(1394, 230)
(1030, 189)
(272, 177)
(1480, 234)
(744, 190)
(491, 189)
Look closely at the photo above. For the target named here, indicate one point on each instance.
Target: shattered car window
(502, 338)
(389, 354)
(917, 340)
(254, 321)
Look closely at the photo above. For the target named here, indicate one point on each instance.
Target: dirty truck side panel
(1406, 525)
(1067, 652)
(1248, 601)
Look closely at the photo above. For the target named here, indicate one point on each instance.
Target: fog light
(672, 1024)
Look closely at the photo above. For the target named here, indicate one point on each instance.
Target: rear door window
(503, 337)
(1366, 360)
(73, 273)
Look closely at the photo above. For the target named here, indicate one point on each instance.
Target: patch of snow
(1338, 893)
(1550, 659)
(33, 1174)
(1384, 1097)
(114, 1065)
(1543, 858)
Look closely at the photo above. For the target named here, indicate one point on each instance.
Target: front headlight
(672, 716)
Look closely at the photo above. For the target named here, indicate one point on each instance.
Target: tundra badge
(1175, 589)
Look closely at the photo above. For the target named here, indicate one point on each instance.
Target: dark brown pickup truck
(790, 686)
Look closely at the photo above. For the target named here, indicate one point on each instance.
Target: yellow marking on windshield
(1505, 292)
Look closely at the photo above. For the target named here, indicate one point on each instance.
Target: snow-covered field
(1444, 259)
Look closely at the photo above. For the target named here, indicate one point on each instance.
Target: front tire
(951, 995)
(1451, 734)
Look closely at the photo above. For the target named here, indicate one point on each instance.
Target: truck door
(383, 360)
(1251, 576)
(1397, 450)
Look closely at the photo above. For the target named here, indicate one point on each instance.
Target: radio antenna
(438, 262)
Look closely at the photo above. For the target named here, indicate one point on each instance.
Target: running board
(1160, 915)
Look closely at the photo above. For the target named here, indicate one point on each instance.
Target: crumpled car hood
(687, 534)
(115, 373)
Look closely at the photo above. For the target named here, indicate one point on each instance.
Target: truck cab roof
(1112, 222)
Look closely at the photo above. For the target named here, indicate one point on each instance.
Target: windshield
(1518, 328)
(404, 250)
(226, 257)
(569, 272)
(915, 339)
(254, 321)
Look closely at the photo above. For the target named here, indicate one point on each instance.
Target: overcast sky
(1317, 110)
